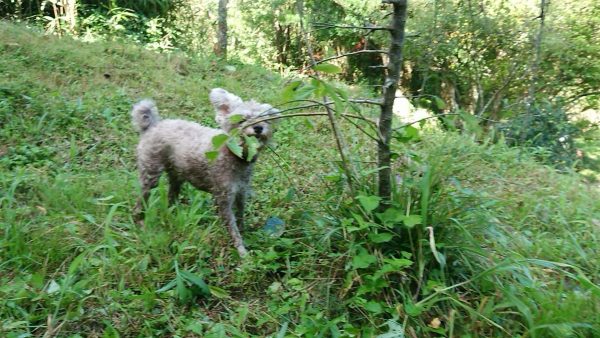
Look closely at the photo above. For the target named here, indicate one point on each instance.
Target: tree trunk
(70, 7)
(389, 95)
(537, 45)
(221, 49)
(533, 70)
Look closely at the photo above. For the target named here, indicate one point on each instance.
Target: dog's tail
(144, 115)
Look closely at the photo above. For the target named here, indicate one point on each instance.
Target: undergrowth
(479, 240)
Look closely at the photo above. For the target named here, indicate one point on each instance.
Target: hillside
(514, 248)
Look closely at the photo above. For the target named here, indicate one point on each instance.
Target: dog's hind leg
(174, 187)
(240, 201)
(149, 176)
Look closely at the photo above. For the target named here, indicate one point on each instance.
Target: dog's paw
(242, 251)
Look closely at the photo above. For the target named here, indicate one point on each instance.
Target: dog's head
(232, 112)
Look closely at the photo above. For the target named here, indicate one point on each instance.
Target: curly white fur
(178, 147)
(144, 115)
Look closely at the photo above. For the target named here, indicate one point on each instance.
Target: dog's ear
(223, 101)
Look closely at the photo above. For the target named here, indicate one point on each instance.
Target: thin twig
(359, 101)
(336, 132)
(320, 25)
(364, 51)
(424, 119)
(281, 167)
(277, 114)
(357, 126)
(441, 115)
(374, 126)
(577, 97)
(505, 84)
(341, 147)
(276, 117)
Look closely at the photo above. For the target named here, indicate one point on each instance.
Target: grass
(514, 250)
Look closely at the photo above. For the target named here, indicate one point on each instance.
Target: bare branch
(359, 101)
(283, 116)
(365, 51)
(374, 126)
(511, 76)
(357, 126)
(366, 101)
(441, 115)
(321, 25)
(281, 167)
(315, 103)
(577, 97)
(336, 132)
(423, 119)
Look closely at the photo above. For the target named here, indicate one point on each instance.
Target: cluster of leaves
(242, 146)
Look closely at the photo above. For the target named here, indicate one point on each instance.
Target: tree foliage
(476, 239)
(475, 54)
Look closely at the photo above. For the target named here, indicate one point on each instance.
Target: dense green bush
(547, 131)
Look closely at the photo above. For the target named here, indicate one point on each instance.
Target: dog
(180, 148)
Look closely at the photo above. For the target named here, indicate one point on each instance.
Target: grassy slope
(71, 260)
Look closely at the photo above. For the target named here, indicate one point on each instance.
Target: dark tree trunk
(389, 95)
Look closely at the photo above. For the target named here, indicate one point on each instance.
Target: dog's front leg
(225, 206)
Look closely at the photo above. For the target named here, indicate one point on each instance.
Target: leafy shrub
(547, 131)
(443, 253)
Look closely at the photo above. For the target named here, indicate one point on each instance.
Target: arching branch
(321, 25)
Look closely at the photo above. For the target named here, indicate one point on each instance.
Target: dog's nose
(258, 129)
